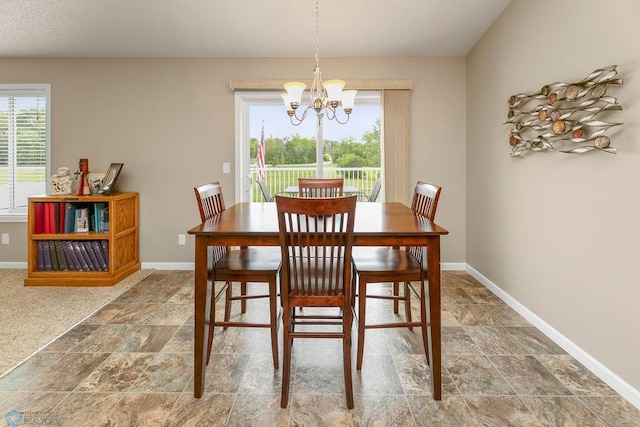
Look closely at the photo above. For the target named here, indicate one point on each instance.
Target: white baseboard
(13, 265)
(604, 373)
(169, 265)
(453, 266)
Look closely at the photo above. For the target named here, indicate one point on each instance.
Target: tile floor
(131, 364)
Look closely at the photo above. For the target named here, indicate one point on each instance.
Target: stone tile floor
(131, 364)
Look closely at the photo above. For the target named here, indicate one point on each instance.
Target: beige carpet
(31, 317)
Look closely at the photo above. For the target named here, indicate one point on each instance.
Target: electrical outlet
(5, 238)
(182, 239)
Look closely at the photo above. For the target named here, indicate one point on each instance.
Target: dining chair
(375, 192)
(387, 264)
(244, 265)
(320, 187)
(316, 238)
(265, 191)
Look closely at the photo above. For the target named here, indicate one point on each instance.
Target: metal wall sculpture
(564, 116)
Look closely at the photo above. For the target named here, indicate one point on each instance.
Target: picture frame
(110, 178)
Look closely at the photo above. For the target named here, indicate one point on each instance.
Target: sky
(277, 124)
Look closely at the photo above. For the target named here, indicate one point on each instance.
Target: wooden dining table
(376, 224)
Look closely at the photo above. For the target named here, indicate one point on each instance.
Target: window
(352, 150)
(24, 147)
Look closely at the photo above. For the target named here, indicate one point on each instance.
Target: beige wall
(559, 232)
(171, 121)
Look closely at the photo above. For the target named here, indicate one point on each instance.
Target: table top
(375, 224)
(347, 189)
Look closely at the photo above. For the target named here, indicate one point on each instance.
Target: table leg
(433, 277)
(201, 332)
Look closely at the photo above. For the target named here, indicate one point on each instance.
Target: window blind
(24, 145)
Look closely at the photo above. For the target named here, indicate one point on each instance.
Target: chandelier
(325, 97)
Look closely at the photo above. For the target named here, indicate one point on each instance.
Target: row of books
(73, 255)
(64, 217)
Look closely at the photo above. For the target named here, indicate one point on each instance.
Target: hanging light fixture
(325, 97)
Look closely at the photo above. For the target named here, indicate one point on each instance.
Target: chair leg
(362, 308)
(274, 321)
(396, 292)
(243, 302)
(424, 321)
(346, 350)
(407, 304)
(212, 317)
(227, 304)
(286, 356)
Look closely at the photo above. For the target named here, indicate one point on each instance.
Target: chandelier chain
(317, 31)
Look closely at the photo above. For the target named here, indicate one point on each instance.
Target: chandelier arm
(335, 117)
(297, 121)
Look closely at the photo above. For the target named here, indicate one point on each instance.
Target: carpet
(31, 317)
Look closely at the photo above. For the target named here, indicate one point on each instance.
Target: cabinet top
(83, 198)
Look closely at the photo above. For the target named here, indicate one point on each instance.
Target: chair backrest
(210, 200)
(320, 187)
(376, 190)
(424, 203)
(425, 199)
(265, 190)
(316, 237)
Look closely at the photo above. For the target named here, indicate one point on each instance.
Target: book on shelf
(69, 218)
(46, 255)
(82, 256)
(70, 251)
(40, 255)
(56, 217)
(104, 244)
(38, 218)
(97, 250)
(52, 216)
(62, 260)
(99, 209)
(93, 259)
(67, 255)
(46, 225)
(54, 256)
(61, 216)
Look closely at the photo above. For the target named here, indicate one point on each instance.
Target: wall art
(565, 117)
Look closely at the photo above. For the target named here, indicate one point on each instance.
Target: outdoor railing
(279, 178)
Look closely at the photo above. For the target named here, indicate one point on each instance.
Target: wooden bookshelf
(122, 239)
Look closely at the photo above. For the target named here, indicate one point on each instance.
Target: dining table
(376, 224)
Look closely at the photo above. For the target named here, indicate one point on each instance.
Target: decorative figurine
(83, 173)
(61, 182)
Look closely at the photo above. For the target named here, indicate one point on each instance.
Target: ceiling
(242, 28)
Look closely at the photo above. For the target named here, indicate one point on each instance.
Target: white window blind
(24, 146)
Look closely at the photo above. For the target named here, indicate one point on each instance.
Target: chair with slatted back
(384, 265)
(316, 237)
(320, 187)
(253, 264)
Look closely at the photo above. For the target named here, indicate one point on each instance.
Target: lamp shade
(295, 89)
(287, 102)
(348, 98)
(334, 89)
